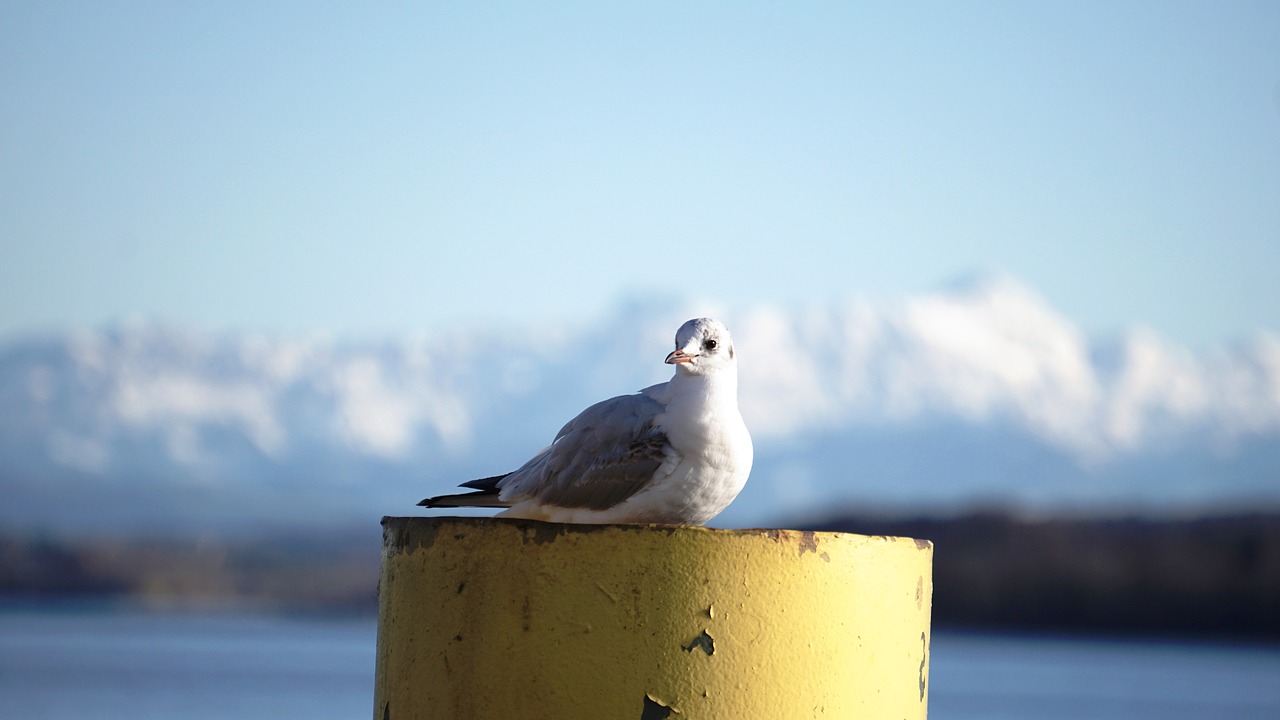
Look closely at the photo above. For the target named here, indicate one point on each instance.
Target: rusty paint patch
(655, 709)
(919, 592)
(923, 544)
(704, 641)
(541, 533)
(825, 557)
(400, 535)
(924, 661)
(808, 541)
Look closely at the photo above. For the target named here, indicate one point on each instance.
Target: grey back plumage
(606, 454)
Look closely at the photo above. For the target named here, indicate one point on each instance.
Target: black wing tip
(489, 484)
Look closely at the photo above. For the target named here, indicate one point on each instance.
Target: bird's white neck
(706, 389)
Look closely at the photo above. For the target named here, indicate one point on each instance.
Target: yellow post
(496, 618)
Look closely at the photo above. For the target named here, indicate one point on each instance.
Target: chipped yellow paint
(496, 618)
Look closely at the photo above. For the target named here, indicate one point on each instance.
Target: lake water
(80, 663)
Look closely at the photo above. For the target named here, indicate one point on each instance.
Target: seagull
(676, 453)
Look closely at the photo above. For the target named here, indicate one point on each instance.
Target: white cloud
(380, 413)
(171, 400)
(374, 417)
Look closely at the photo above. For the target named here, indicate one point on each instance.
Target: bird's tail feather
(482, 498)
(486, 495)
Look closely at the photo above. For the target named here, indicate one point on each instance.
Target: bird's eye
(710, 344)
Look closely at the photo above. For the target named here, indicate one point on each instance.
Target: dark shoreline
(1214, 578)
(1209, 577)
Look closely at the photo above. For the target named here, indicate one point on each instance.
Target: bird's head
(703, 345)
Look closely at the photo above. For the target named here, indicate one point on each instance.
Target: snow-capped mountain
(976, 393)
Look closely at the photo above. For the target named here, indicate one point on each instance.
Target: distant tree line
(1209, 577)
(320, 573)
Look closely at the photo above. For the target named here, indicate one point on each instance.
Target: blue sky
(392, 168)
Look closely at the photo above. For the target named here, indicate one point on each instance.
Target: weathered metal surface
(492, 618)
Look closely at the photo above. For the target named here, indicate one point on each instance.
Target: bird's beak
(680, 356)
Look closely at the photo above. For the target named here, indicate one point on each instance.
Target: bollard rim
(397, 527)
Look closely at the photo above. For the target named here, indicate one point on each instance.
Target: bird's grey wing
(606, 454)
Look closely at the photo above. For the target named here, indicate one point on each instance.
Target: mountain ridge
(976, 391)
